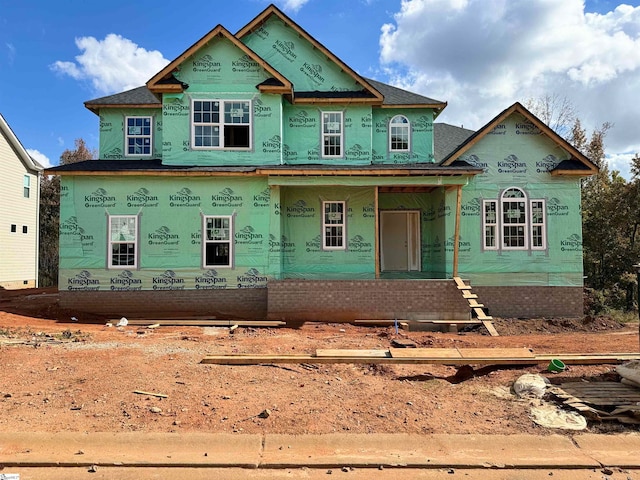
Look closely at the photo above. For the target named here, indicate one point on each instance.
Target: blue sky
(478, 55)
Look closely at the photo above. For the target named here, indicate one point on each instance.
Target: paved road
(200, 455)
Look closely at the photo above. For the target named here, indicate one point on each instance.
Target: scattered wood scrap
(601, 401)
(159, 395)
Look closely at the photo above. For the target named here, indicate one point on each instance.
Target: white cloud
(293, 5)
(483, 55)
(113, 64)
(11, 52)
(41, 158)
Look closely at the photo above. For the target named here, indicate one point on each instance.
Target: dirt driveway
(58, 375)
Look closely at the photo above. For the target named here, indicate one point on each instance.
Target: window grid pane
(138, 136)
(217, 242)
(399, 133)
(332, 134)
(333, 225)
(123, 238)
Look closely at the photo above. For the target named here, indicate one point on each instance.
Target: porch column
(456, 235)
(377, 231)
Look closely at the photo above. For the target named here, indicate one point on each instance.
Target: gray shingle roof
(392, 96)
(156, 165)
(135, 96)
(447, 138)
(398, 96)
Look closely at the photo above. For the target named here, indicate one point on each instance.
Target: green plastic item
(557, 366)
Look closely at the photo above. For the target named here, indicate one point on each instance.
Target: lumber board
(481, 315)
(467, 294)
(351, 353)
(474, 303)
(490, 353)
(425, 353)
(460, 284)
(188, 322)
(478, 356)
(490, 328)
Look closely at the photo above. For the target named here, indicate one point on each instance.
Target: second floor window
(138, 136)
(221, 124)
(332, 134)
(399, 128)
(26, 184)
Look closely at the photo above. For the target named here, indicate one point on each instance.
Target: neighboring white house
(19, 206)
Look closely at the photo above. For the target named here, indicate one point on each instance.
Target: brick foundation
(250, 303)
(531, 302)
(332, 301)
(349, 300)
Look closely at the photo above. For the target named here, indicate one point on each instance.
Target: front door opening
(400, 241)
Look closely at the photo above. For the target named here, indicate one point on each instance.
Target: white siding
(18, 252)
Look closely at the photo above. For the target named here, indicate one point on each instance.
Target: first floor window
(218, 241)
(221, 124)
(514, 222)
(332, 130)
(138, 136)
(333, 225)
(123, 241)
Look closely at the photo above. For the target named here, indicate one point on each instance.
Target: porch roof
(156, 167)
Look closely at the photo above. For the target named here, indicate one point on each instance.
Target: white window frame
(128, 135)
(26, 185)
(524, 224)
(111, 242)
(329, 120)
(217, 240)
(328, 226)
(541, 224)
(497, 226)
(405, 127)
(490, 224)
(220, 123)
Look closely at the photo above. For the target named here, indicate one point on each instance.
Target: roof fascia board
(273, 10)
(95, 107)
(519, 108)
(219, 30)
(29, 163)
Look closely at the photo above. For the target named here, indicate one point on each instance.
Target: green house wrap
(258, 175)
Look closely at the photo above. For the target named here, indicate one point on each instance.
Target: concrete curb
(273, 451)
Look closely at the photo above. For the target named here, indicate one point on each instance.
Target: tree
(50, 214)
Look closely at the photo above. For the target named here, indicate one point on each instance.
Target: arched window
(399, 128)
(514, 219)
(513, 222)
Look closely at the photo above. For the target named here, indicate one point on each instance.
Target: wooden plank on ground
(189, 322)
(325, 352)
(424, 353)
(490, 353)
(490, 328)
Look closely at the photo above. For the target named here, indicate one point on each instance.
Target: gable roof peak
(158, 83)
(272, 10)
(584, 165)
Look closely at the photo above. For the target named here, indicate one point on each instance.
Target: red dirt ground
(58, 375)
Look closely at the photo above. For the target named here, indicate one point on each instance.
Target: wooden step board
(460, 284)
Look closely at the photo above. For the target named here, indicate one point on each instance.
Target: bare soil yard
(59, 375)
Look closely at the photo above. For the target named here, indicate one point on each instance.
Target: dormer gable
(168, 79)
(319, 76)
